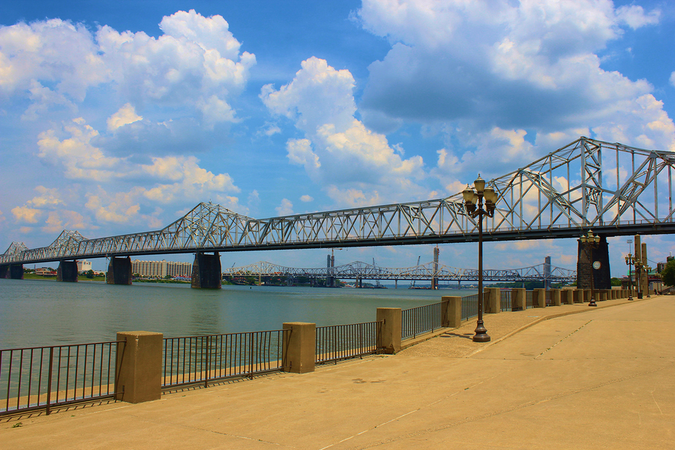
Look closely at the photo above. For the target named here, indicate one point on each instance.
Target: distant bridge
(363, 271)
(573, 189)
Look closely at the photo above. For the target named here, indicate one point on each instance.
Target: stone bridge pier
(67, 271)
(586, 257)
(206, 271)
(12, 271)
(119, 270)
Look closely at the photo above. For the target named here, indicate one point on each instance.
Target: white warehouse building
(83, 265)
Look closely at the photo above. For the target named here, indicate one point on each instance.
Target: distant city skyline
(120, 117)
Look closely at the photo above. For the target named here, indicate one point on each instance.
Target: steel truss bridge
(588, 184)
(364, 271)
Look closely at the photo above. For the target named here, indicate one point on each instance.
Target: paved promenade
(600, 378)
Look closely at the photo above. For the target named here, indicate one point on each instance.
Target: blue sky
(118, 117)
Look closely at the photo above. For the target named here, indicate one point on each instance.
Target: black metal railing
(337, 342)
(419, 320)
(505, 300)
(202, 359)
(469, 306)
(45, 377)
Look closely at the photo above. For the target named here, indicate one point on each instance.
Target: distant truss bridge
(363, 271)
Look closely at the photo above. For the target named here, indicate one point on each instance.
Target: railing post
(578, 295)
(139, 367)
(49, 380)
(518, 299)
(555, 297)
(207, 351)
(493, 303)
(299, 351)
(451, 312)
(539, 298)
(587, 295)
(389, 338)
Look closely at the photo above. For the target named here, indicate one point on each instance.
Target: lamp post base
(481, 333)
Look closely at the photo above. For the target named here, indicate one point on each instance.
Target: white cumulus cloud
(124, 116)
(196, 62)
(286, 207)
(512, 66)
(71, 147)
(338, 150)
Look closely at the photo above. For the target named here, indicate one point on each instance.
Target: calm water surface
(39, 313)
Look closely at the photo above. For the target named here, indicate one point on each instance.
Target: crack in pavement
(561, 340)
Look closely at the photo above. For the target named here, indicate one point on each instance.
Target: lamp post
(630, 259)
(638, 276)
(591, 241)
(473, 201)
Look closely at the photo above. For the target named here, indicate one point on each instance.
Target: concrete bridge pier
(206, 271)
(586, 257)
(12, 271)
(119, 270)
(67, 271)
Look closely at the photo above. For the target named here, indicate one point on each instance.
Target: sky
(119, 117)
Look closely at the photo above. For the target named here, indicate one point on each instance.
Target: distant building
(45, 272)
(83, 265)
(160, 269)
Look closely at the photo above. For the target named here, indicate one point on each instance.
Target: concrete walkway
(597, 378)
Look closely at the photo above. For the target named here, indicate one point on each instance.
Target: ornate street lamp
(630, 260)
(638, 276)
(473, 201)
(591, 241)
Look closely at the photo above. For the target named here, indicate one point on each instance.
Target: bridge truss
(365, 271)
(609, 187)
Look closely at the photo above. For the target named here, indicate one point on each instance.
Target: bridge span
(610, 188)
(430, 271)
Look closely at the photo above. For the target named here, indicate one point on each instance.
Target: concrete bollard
(555, 297)
(587, 295)
(539, 298)
(493, 300)
(389, 338)
(299, 348)
(139, 366)
(518, 299)
(451, 311)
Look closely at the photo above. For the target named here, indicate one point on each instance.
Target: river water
(42, 313)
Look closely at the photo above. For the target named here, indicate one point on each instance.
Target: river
(42, 313)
